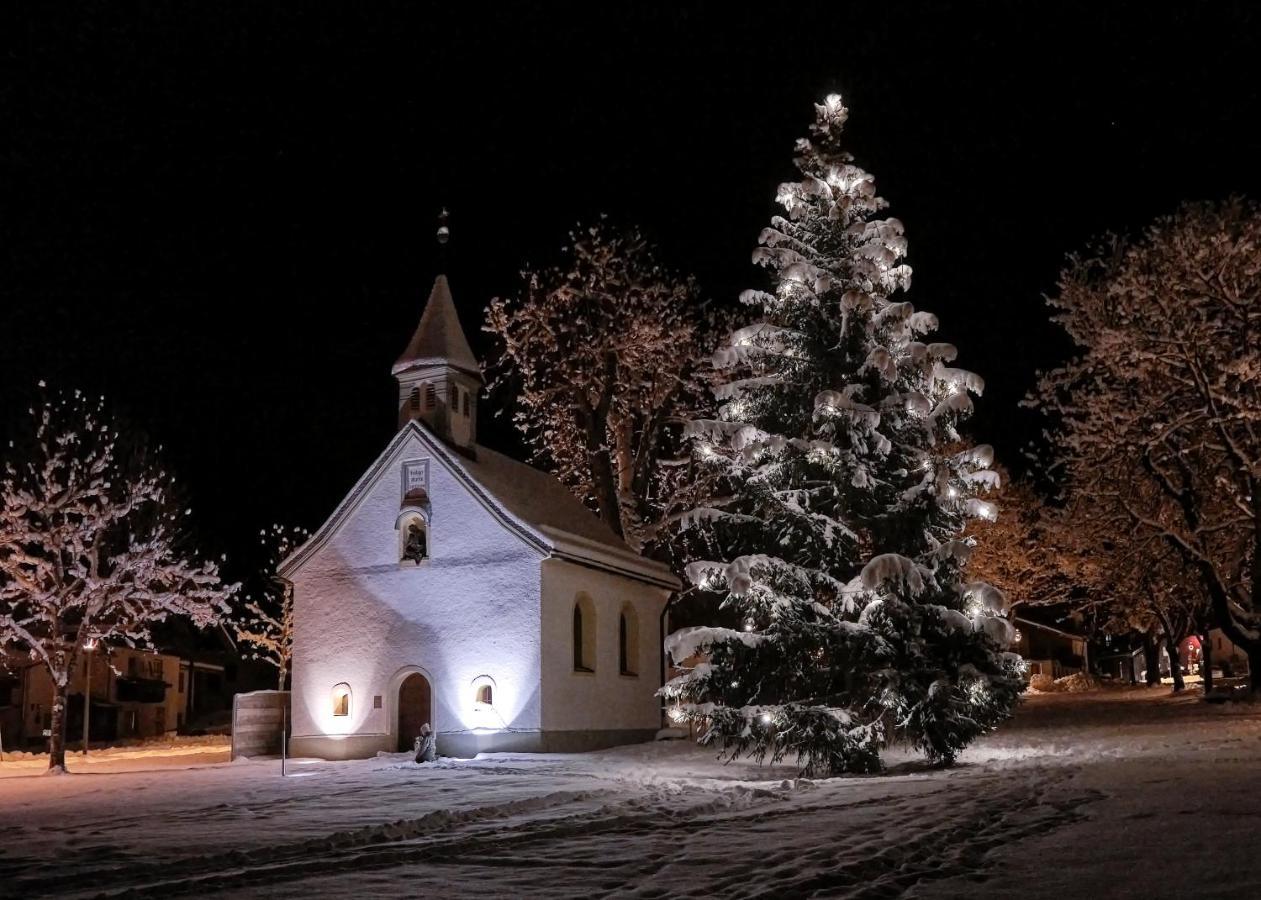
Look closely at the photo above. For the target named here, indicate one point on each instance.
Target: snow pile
(1070, 684)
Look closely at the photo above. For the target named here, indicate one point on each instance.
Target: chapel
(457, 587)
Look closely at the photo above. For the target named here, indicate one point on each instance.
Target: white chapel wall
(470, 610)
(604, 700)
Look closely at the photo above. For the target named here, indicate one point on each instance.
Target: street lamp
(89, 645)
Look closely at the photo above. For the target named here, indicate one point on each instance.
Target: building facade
(134, 695)
(459, 588)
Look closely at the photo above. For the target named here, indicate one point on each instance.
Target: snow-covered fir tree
(264, 620)
(93, 547)
(836, 545)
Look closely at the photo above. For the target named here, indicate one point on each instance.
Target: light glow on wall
(339, 709)
(483, 713)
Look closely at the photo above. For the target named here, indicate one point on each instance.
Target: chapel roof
(537, 498)
(439, 339)
(531, 502)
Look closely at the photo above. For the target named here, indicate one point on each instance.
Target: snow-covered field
(1101, 795)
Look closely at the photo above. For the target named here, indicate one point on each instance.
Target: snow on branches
(264, 619)
(840, 489)
(91, 545)
(1154, 423)
(602, 357)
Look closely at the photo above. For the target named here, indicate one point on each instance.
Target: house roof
(534, 505)
(439, 339)
(1022, 620)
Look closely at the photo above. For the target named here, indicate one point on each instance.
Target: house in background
(134, 694)
(1048, 649)
(457, 587)
(1225, 656)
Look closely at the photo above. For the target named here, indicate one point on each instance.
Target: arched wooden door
(415, 708)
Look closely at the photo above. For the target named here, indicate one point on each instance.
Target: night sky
(222, 215)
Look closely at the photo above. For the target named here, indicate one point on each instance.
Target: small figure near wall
(426, 745)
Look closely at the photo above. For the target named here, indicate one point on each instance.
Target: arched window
(466, 403)
(628, 641)
(414, 399)
(413, 540)
(584, 634)
(341, 699)
(431, 396)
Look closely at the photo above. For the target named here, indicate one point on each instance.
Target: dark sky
(221, 215)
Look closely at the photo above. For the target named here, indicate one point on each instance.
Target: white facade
(485, 616)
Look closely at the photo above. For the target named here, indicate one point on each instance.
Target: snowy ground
(1100, 795)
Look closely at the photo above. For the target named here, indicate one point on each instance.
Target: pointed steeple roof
(439, 340)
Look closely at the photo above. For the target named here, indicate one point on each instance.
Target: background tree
(1156, 420)
(835, 536)
(1027, 552)
(91, 546)
(264, 620)
(600, 356)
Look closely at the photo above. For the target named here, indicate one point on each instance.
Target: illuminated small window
(341, 700)
(485, 694)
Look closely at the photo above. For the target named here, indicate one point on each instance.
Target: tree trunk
(1152, 659)
(1223, 616)
(604, 482)
(57, 740)
(1254, 670)
(1206, 661)
(594, 425)
(1175, 662)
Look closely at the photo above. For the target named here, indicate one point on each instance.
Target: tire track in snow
(562, 831)
(436, 838)
(960, 846)
(203, 872)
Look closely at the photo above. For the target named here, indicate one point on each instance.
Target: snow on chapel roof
(537, 498)
(439, 339)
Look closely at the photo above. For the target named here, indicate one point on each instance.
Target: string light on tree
(833, 538)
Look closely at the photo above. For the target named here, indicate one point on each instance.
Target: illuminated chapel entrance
(415, 708)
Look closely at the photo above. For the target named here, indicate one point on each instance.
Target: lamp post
(89, 645)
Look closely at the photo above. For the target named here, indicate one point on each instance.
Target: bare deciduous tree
(265, 620)
(1159, 417)
(602, 354)
(91, 546)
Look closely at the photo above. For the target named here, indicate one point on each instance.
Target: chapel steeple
(438, 376)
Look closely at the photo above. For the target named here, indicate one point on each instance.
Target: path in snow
(1075, 796)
